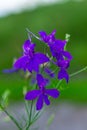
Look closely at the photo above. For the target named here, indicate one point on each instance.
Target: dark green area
(69, 18)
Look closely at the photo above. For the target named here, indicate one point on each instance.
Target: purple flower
(42, 93)
(57, 50)
(30, 60)
(57, 47)
(63, 64)
(47, 38)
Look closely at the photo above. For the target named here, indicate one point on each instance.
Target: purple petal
(11, 70)
(63, 63)
(59, 56)
(67, 55)
(63, 74)
(41, 81)
(40, 58)
(49, 72)
(47, 38)
(32, 46)
(39, 103)
(53, 32)
(46, 100)
(26, 45)
(43, 36)
(52, 92)
(57, 47)
(51, 37)
(21, 63)
(33, 65)
(28, 48)
(32, 94)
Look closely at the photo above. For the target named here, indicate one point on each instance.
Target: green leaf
(50, 120)
(4, 100)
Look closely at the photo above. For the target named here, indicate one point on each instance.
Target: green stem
(32, 34)
(30, 115)
(26, 106)
(11, 117)
(31, 110)
(73, 74)
(36, 115)
(58, 84)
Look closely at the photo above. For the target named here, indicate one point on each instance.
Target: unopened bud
(67, 37)
(24, 90)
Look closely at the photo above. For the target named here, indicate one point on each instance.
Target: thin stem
(60, 81)
(30, 115)
(55, 69)
(31, 110)
(26, 106)
(29, 37)
(73, 74)
(36, 115)
(79, 71)
(32, 34)
(11, 117)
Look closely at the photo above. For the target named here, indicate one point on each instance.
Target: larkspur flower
(57, 47)
(42, 93)
(30, 60)
(62, 74)
(63, 64)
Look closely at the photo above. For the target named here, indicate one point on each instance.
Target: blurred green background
(71, 18)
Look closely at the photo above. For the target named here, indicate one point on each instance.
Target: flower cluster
(57, 46)
(31, 61)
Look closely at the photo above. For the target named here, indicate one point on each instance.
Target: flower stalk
(11, 117)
